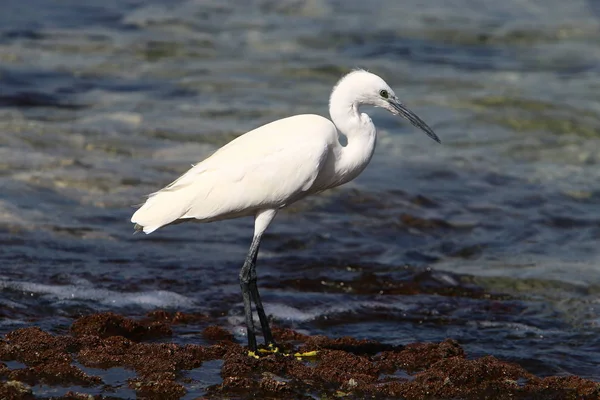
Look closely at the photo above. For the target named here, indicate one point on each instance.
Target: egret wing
(266, 168)
(279, 178)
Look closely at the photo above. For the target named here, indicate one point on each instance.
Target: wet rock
(83, 396)
(144, 358)
(159, 389)
(288, 335)
(565, 387)
(54, 373)
(414, 281)
(354, 372)
(4, 370)
(109, 324)
(270, 384)
(267, 387)
(232, 384)
(214, 332)
(237, 362)
(418, 356)
(459, 378)
(32, 346)
(484, 378)
(208, 353)
(151, 358)
(15, 390)
(346, 344)
(342, 367)
(106, 353)
(176, 317)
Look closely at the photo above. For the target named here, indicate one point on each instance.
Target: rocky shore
(304, 367)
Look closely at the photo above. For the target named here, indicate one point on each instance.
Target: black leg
(248, 282)
(250, 293)
(248, 285)
(264, 322)
(244, 284)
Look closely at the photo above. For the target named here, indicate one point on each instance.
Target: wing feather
(266, 168)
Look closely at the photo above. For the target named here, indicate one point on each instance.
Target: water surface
(102, 102)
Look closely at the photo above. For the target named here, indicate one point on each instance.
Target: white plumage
(268, 167)
(275, 165)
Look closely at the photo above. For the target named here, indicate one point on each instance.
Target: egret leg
(262, 316)
(245, 278)
(248, 282)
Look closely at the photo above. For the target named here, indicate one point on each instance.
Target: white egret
(273, 166)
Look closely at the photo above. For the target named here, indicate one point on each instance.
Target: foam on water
(520, 328)
(61, 293)
(285, 312)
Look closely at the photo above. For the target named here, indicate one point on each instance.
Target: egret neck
(359, 130)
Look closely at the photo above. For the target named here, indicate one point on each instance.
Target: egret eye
(384, 93)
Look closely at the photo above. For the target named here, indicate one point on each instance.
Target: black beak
(413, 119)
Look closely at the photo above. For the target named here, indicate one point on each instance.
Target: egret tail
(162, 208)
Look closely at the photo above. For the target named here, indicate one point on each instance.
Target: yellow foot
(306, 354)
(272, 349)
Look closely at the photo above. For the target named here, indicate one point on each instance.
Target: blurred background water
(498, 228)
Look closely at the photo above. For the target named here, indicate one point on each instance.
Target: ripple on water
(490, 238)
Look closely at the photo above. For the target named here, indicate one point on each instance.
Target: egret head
(370, 89)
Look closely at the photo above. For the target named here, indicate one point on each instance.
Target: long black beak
(413, 119)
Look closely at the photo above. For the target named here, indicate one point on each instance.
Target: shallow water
(103, 102)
